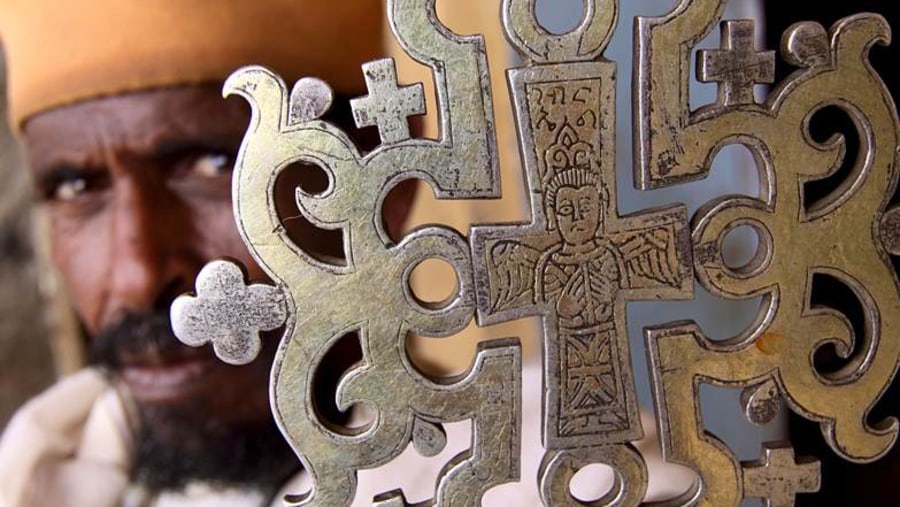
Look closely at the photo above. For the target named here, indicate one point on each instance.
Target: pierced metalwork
(798, 240)
(579, 261)
(778, 477)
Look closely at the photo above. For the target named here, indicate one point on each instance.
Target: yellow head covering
(64, 51)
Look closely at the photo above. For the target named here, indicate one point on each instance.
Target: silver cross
(388, 106)
(777, 477)
(737, 66)
(228, 313)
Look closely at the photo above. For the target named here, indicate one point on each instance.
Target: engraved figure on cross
(580, 277)
(580, 273)
(579, 262)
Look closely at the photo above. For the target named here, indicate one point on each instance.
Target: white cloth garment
(70, 447)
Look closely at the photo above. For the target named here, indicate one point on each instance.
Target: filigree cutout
(578, 263)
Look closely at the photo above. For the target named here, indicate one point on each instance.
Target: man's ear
(397, 206)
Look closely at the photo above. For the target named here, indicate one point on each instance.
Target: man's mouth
(169, 381)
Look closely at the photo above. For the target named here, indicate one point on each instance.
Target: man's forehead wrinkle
(145, 125)
(80, 135)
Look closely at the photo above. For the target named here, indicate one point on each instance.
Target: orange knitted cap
(65, 51)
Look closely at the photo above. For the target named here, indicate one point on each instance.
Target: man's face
(578, 214)
(138, 192)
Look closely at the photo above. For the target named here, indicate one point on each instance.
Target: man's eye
(212, 165)
(68, 185)
(70, 189)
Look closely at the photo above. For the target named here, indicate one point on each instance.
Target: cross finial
(228, 312)
(388, 106)
(777, 477)
(737, 66)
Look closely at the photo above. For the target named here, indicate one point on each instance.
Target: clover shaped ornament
(228, 313)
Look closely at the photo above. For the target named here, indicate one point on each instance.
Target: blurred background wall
(26, 362)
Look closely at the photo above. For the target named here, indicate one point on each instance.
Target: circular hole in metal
(740, 246)
(592, 483)
(746, 248)
(434, 284)
(560, 17)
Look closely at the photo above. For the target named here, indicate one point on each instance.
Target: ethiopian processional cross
(578, 262)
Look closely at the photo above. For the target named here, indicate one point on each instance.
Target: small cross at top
(777, 477)
(737, 66)
(388, 106)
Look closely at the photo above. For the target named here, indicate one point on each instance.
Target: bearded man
(131, 145)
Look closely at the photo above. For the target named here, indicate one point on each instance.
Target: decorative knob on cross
(228, 313)
(737, 66)
(388, 106)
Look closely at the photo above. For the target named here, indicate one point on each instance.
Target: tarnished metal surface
(578, 262)
(228, 313)
(778, 477)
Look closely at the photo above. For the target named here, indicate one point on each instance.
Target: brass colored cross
(388, 106)
(737, 66)
(777, 477)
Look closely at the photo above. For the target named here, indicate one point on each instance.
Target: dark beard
(177, 445)
(253, 456)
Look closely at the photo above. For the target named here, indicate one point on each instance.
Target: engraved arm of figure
(44, 457)
(572, 298)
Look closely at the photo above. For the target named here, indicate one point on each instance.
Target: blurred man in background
(131, 147)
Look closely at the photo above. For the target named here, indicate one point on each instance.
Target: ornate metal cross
(579, 262)
(778, 478)
(737, 67)
(388, 106)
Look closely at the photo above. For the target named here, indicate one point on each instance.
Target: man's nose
(152, 260)
(580, 213)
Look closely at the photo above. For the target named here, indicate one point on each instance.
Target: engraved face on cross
(737, 66)
(388, 106)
